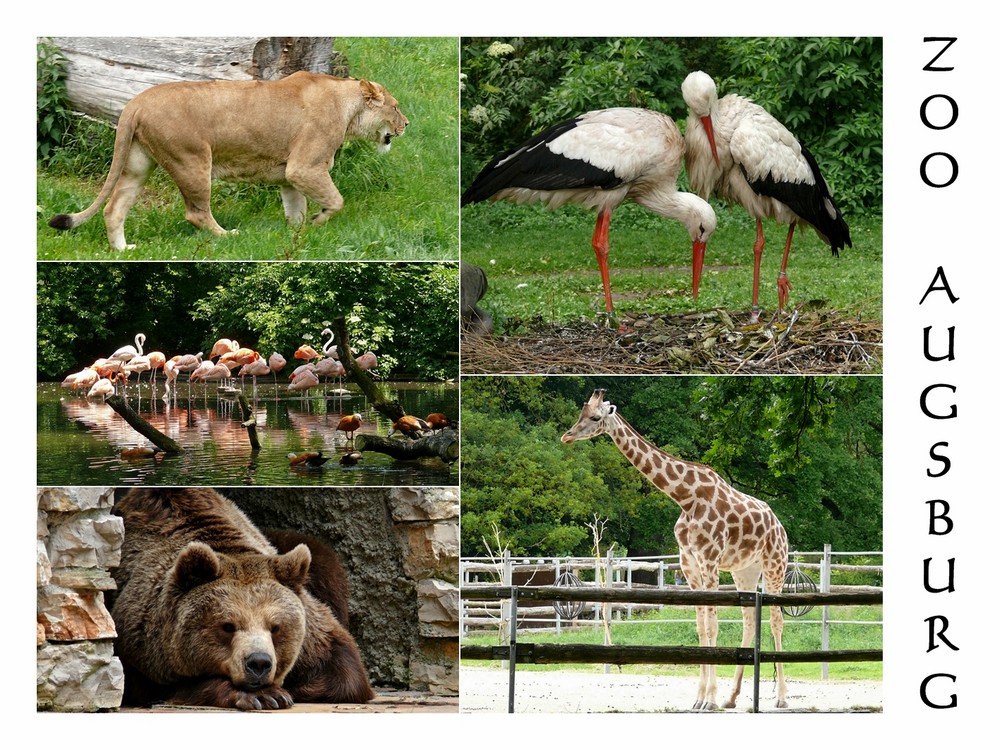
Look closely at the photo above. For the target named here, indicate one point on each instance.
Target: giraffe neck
(678, 479)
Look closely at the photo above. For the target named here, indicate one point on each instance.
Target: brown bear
(210, 613)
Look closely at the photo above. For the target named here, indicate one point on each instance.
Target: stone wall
(78, 541)
(399, 546)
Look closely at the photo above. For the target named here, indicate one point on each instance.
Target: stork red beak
(697, 261)
(706, 122)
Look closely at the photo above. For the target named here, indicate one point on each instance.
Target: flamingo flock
(226, 360)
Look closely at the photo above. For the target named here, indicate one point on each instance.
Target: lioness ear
(196, 564)
(372, 94)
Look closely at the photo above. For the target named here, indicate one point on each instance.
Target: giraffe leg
(777, 626)
(746, 580)
(774, 581)
(707, 623)
(704, 576)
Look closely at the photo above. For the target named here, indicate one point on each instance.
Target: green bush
(54, 117)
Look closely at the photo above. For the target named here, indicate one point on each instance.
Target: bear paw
(268, 698)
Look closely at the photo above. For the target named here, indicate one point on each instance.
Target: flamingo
(170, 373)
(138, 364)
(239, 357)
(367, 361)
(349, 424)
(412, 427)
(254, 368)
(737, 150)
(306, 352)
(82, 380)
(222, 346)
(599, 160)
(156, 362)
(126, 353)
(304, 382)
(329, 348)
(210, 372)
(187, 362)
(298, 371)
(329, 368)
(276, 362)
(103, 388)
(106, 366)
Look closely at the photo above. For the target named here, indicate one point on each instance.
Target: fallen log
(140, 425)
(104, 73)
(442, 444)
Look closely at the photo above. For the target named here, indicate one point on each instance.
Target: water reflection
(80, 441)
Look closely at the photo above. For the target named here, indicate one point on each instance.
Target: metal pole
(513, 648)
(756, 652)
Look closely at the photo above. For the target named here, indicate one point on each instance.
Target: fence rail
(535, 653)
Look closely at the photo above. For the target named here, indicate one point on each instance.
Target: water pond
(80, 441)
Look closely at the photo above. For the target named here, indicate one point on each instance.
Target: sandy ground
(486, 690)
(386, 701)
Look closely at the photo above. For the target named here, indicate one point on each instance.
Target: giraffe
(720, 528)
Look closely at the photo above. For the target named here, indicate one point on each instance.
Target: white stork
(738, 151)
(599, 160)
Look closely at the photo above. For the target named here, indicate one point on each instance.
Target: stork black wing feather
(809, 202)
(534, 166)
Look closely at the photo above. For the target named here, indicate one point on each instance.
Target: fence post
(513, 649)
(558, 568)
(824, 586)
(505, 613)
(758, 617)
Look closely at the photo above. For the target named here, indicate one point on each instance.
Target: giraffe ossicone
(719, 528)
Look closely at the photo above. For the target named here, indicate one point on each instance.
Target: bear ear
(196, 564)
(292, 568)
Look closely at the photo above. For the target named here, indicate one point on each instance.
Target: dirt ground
(386, 701)
(486, 690)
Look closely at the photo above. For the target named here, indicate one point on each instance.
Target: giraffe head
(595, 419)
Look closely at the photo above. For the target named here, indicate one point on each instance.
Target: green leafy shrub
(54, 117)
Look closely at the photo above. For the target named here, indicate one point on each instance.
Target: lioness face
(386, 118)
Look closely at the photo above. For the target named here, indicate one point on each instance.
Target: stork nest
(812, 339)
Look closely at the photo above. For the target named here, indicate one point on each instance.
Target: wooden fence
(623, 573)
(579, 653)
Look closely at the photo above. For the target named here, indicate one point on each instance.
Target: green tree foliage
(513, 88)
(52, 108)
(811, 447)
(828, 90)
(406, 312)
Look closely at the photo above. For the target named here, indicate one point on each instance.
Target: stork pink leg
(600, 243)
(784, 285)
(758, 252)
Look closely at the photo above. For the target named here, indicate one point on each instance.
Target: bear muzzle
(257, 670)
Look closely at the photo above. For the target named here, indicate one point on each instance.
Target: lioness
(284, 132)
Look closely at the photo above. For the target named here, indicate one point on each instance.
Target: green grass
(540, 262)
(398, 206)
(797, 637)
